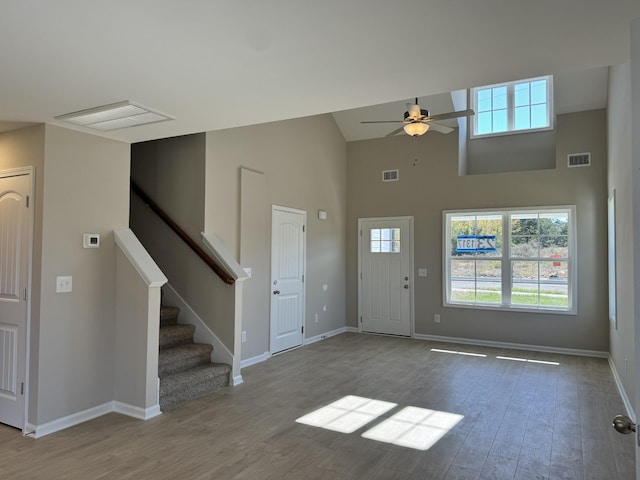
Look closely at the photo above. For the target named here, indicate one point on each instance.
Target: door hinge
(21, 388)
(302, 278)
(27, 201)
(302, 329)
(25, 293)
(304, 228)
(360, 275)
(360, 318)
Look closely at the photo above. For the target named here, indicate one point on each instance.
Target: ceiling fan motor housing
(423, 113)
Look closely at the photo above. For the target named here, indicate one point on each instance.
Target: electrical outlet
(316, 319)
(436, 318)
(324, 308)
(244, 336)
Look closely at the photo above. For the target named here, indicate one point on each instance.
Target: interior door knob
(406, 286)
(276, 292)
(623, 424)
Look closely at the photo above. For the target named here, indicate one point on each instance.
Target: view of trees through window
(527, 265)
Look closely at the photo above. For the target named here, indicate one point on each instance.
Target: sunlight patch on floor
(414, 427)
(347, 414)
(528, 360)
(469, 354)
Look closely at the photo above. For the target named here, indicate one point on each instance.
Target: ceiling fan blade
(440, 128)
(395, 132)
(446, 116)
(384, 121)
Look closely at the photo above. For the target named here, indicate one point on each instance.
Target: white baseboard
(515, 346)
(71, 420)
(237, 380)
(323, 336)
(307, 341)
(203, 333)
(623, 393)
(253, 360)
(136, 412)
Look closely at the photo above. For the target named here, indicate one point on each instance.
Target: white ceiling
(215, 64)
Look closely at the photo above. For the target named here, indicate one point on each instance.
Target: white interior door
(287, 278)
(386, 273)
(14, 270)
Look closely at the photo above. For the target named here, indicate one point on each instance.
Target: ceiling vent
(579, 160)
(390, 175)
(114, 116)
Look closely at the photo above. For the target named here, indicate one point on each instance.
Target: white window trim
(510, 109)
(506, 261)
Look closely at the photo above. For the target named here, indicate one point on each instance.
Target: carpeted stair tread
(169, 315)
(183, 357)
(191, 384)
(216, 374)
(185, 369)
(178, 334)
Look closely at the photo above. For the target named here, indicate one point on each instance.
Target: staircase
(184, 367)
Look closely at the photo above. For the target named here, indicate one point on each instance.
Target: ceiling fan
(417, 121)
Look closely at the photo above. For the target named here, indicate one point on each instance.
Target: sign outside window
(476, 243)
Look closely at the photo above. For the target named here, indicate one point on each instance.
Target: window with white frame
(512, 259)
(512, 107)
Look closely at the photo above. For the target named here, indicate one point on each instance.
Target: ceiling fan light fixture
(415, 129)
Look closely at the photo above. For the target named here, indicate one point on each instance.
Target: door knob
(276, 292)
(406, 286)
(623, 424)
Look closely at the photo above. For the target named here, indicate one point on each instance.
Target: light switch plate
(64, 284)
(422, 272)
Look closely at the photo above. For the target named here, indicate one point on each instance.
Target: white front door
(14, 271)
(287, 278)
(386, 274)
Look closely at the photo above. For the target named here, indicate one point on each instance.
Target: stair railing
(218, 269)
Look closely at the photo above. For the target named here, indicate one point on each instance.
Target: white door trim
(411, 269)
(304, 271)
(13, 172)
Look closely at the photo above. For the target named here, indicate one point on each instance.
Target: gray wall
(85, 190)
(172, 172)
(433, 185)
(304, 164)
(511, 153)
(619, 174)
(81, 187)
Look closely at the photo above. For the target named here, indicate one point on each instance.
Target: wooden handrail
(197, 249)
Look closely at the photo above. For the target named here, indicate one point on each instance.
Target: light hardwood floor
(522, 420)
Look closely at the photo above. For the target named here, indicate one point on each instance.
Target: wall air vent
(579, 160)
(390, 175)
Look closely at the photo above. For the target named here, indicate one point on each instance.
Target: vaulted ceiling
(221, 64)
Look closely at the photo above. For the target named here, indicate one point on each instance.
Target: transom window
(385, 240)
(513, 107)
(520, 258)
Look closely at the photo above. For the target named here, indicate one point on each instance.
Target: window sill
(512, 309)
(473, 136)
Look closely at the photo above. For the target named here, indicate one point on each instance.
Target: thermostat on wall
(91, 240)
